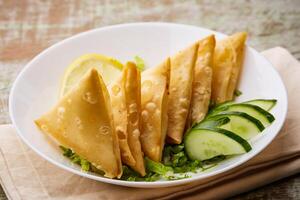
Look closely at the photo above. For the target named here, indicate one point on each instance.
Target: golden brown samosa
(82, 121)
(154, 104)
(180, 91)
(228, 60)
(119, 110)
(238, 44)
(201, 91)
(132, 87)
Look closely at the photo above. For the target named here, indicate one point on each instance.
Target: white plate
(35, 90)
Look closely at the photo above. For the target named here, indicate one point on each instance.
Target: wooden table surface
(29, 26)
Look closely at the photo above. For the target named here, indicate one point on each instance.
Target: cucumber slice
(206, 143)
(212, 123)
(262, 115)
(240, 123)
(218, 106)
(266, 104)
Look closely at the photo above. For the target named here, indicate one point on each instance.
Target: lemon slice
(108, 67)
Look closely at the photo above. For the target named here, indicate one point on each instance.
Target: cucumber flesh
(266, 104)
(241, 124)
(262, 115)
(206, 143)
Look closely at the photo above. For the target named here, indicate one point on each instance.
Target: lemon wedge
(108, 67)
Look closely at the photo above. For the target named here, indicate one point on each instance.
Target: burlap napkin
(24, 175)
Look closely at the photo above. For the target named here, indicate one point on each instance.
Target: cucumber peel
(266, 104)
(262, 115)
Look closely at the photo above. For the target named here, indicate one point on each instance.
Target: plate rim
(141, 184)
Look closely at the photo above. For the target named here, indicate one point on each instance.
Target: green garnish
(66, 151)
(212, 104)
(130, 175)
(139, 63)
(85, 165)
(156, 167)
(171, 178)
(237, 93)
(174, 166)
(174, 156)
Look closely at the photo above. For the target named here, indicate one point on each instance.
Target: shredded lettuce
(130, 175)
(212, 105)
(175, 165)
(157, 167)
(174, 156)
(139, 63)
(237, 93)
(85, 165)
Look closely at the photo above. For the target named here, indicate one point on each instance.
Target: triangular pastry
(154, 104)
(82, 121)
(180, 92)
(202, 79)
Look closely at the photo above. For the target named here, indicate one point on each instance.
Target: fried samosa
(180, 92)
(119, 110)
(154, 104)
(201, 91)
(132, 87)
(238, 44)
(228, 61)
(82, 121)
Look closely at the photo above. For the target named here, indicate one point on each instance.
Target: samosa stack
(140, 112)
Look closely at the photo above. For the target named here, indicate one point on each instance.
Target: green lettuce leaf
(175, 165)
(139, 63)
(67, 152)
(157, 167)
(237, 93)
